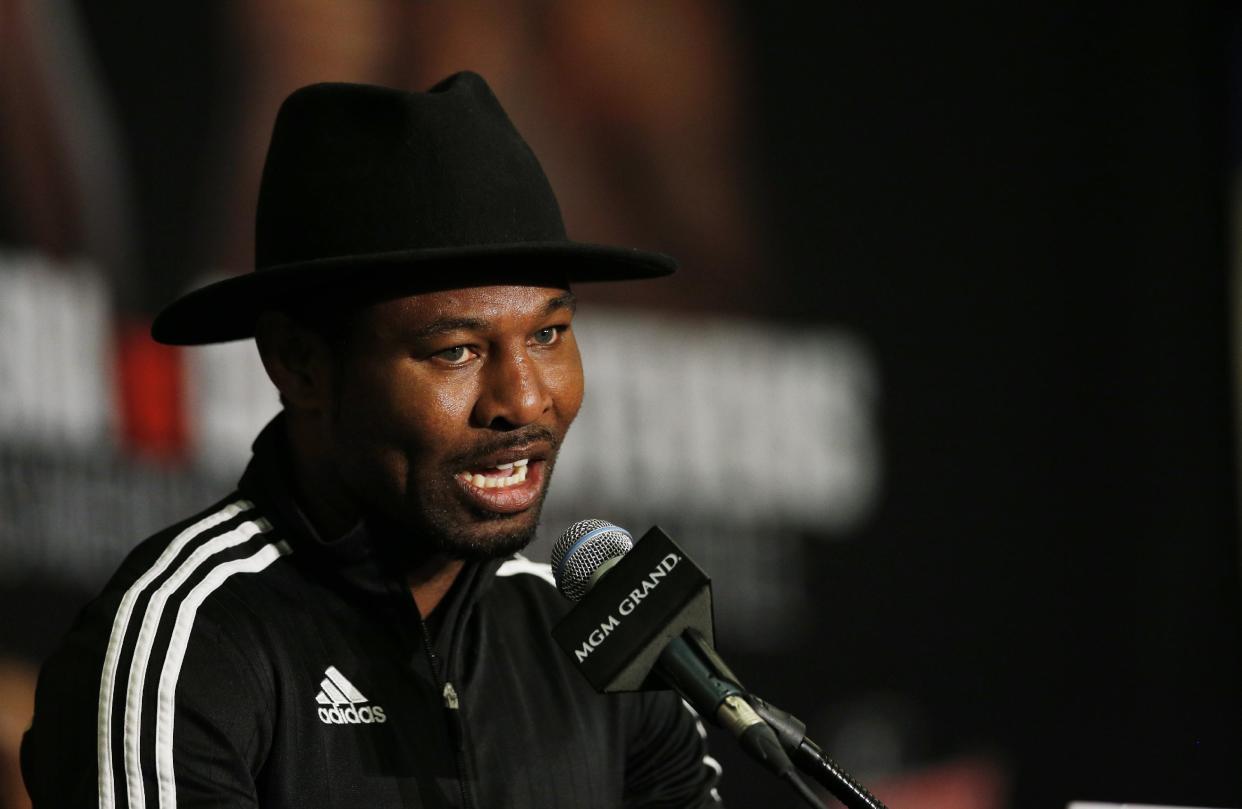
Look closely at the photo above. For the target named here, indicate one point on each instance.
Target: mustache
(523, 437)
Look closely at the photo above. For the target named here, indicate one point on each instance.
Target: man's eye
(457, 355)
(548, 336)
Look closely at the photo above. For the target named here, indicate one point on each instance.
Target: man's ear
(297, 360)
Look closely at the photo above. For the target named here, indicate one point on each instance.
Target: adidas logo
(339, 702)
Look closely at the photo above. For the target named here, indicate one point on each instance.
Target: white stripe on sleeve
(146, 641)
(120, 627)
(176, 655)
(520, 564)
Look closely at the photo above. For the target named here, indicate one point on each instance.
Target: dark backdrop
(1025, 211)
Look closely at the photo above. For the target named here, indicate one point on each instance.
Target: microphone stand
(805, 754)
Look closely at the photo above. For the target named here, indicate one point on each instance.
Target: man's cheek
(448, 405)
(569, 402)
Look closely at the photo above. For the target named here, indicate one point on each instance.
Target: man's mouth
(505, 488)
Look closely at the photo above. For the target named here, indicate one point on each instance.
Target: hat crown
(357, 170)
(369, 191)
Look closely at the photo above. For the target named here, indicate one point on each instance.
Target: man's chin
(486, 535)
(470, 549)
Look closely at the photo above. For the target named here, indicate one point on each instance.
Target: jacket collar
(360, 559)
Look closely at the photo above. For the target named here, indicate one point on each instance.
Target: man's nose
(513, 393)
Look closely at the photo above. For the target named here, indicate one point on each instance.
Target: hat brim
(227, 310)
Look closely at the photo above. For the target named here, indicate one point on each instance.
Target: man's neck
(333, 513)
(430, 582)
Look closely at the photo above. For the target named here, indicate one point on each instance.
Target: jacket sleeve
(184, 724)
(667, 761)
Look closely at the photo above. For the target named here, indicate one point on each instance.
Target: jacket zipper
(452, 713)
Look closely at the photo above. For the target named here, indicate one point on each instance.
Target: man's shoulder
(523, 589)
(158, 603)
(180, 567)
(525, 572)
(525, 578)
(216, 541)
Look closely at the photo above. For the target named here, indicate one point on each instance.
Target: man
(354, 627)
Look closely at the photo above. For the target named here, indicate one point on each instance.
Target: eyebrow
(447, 325)
(566, 300)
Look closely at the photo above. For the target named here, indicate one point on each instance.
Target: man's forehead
(473, 306)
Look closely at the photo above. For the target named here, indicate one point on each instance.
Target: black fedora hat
(382, 189)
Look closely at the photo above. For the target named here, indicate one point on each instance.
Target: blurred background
(943, 398)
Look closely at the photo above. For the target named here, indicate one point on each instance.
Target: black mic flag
(644, 621)
(651, 595)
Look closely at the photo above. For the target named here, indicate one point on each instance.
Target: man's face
(450, 409)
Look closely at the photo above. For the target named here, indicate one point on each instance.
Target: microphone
(646, 613)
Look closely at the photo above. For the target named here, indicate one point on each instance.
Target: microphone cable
(802, 789)
(810, 758)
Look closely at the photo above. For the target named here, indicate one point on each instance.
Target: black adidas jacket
(236, 660)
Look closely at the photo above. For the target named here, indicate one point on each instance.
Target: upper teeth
(499, 481)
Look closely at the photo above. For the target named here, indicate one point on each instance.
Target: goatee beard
(440, 533)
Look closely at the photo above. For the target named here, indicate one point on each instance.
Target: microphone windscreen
(580, 551)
